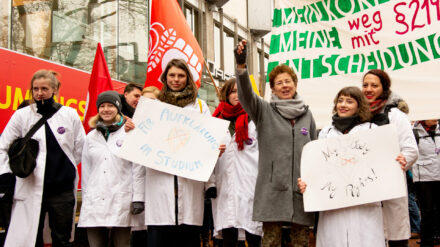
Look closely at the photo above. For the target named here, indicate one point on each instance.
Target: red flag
(100, 81)
(171, 37)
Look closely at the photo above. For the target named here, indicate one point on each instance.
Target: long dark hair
(384, 80)
(181, 64)
(363, 106)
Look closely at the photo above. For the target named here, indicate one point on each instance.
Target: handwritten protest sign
(174, 140)
(352, 169)
(333, 43)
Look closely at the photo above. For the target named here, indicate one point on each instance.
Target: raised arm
(250, 101)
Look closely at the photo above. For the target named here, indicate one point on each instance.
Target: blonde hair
(93, 120)
(46, 74)
(151, 89)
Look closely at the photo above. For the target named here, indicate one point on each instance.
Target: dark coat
(127, 110)
(277, 196)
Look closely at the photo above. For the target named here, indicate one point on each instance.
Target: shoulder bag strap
(40, 123)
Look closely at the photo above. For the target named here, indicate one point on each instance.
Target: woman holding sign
(173, 204)
(388, 108)
(284, 126)
(112, 193)
(361, 225)
(236, 173)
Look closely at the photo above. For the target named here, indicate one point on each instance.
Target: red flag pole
(100, 81)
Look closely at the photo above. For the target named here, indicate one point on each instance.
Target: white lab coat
(427, 167)
(28, 191)
(361, 225)
(109, 184)
(159, 193)
(235, 177)
(395, 211)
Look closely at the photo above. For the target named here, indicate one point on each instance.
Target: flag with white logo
(171, 37)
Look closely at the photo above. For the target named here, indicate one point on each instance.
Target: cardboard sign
(352, 169)
(174, 140)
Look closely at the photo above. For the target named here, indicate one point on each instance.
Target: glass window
(266, 62)
(207, 92)
(192, 18)
(133, 40)
(4, 23)
(228, 54)
(217, 47)
(189, 18)
(67, 32)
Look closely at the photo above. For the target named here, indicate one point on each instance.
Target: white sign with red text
(331, 44)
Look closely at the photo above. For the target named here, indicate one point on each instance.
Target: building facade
(67, 32)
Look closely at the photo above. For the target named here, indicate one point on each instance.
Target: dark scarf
(227, 111)
(182, 98)
(345, 124)
(379, 118)
(127, 110)
(46, 107)
(107, 129)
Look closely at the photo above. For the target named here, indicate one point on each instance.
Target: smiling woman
(389, 108)
(105, 213)
(357, 225)
(284, 126)
(177, 200)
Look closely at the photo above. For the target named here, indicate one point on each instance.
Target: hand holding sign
(174, 140)
(351, 170)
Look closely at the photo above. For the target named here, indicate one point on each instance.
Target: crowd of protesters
(256, 187)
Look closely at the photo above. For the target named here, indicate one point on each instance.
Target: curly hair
(282, 68)
(363, 106)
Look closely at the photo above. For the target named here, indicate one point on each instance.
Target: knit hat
(109, 97)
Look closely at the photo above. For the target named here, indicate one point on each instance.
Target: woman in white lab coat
(236, 173)
(388, 108)
(361, 225)
(109, 185)
(174, 205)
(51, 187)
